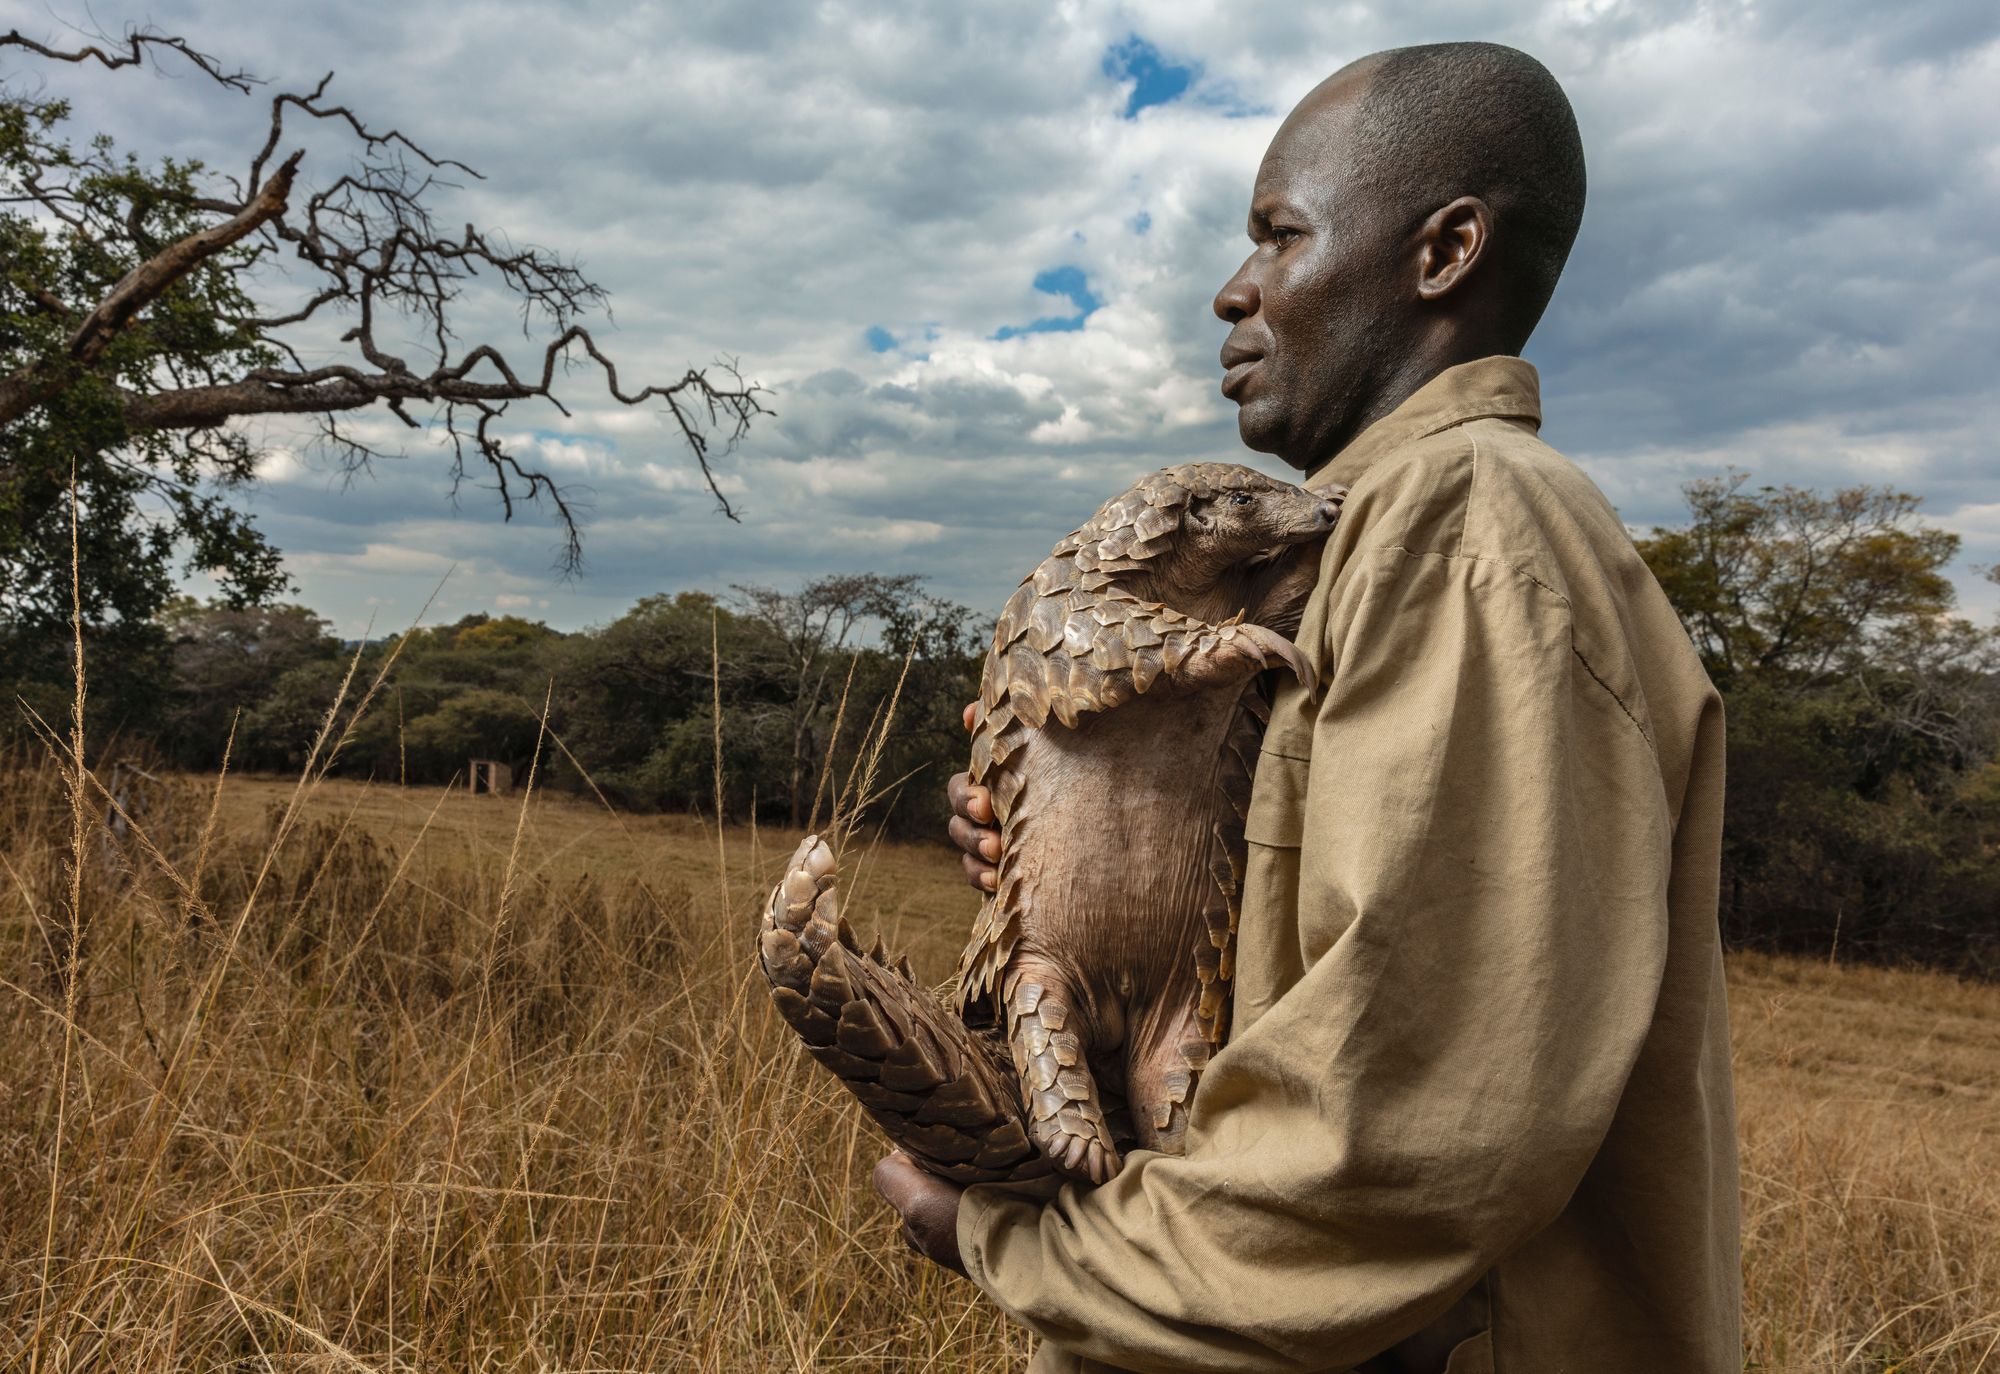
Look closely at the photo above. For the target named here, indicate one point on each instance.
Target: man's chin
(1262, 431)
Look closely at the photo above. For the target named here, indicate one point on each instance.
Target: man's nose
(1238, 299)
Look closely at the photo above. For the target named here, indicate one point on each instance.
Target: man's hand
(928, 1206)
(972, 828)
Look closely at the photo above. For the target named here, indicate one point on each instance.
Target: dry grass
(1870, 1110)
(402, 1106)
(376, 1079)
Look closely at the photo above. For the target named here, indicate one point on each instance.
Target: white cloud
(895, 534)
(376, 560)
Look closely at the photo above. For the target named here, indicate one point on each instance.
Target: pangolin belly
(1120, 895)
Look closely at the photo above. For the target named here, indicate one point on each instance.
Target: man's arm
(1482, 876)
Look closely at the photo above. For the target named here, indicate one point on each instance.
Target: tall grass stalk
(73, 951)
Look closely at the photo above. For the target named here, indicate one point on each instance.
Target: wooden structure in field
(491, 776)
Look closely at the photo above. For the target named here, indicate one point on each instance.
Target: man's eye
(1282, 235)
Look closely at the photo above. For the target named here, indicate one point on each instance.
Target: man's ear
(1452, 243)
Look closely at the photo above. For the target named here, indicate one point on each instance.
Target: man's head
(1413, 212)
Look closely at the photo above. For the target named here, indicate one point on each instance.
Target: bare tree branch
(383, 262)
(310, 104)
(136, 42)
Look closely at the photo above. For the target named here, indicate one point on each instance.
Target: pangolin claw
(1272, 645)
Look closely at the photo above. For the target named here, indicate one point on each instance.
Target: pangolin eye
(1240, 498)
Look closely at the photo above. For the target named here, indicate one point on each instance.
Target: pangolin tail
(944, 1094)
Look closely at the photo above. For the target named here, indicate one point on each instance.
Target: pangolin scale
(1119, 717)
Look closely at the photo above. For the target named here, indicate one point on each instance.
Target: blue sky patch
(1155, 81)
(880, 340)
(1141, 222)
(1066, 281)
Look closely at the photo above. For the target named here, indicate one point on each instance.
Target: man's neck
(1402, 382)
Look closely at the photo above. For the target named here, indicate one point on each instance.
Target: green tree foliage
(810, 629)
(143, 312)
(929, 660)
(230, 659)
(1782, 583)
(148, 502)
(1864, 720)
(633, 703)
(630, 704)
(634, 699)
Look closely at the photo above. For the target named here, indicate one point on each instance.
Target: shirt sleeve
(1481, 925)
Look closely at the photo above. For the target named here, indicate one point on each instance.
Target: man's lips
(1238, 372)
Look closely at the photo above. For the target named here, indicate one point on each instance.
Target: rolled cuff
(985, 1210)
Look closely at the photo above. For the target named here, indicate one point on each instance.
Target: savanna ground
(361, 1077)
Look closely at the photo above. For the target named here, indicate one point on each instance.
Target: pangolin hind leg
(1066, 1112)
(942, 1093)
(1167, 1057)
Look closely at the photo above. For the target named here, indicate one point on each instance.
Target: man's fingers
(971, 830)
(979, 873)
(969, 799)
(892, 1177)
(970, 707)
(928, 1207)
(976, 840)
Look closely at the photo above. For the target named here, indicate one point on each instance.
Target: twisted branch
(381, 260)
(136, 42)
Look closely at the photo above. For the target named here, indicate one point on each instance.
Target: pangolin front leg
(1233, 651)
(1108, 649)
(941, 1092)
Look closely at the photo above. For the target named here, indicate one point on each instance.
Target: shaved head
(1412, 213)
(1477, 119)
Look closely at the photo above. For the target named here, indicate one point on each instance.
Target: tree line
(1863, 793)
(804, 680)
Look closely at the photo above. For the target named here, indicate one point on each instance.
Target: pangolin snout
(1315, 522)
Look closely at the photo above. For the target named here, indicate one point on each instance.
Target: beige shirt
(1476, 1111)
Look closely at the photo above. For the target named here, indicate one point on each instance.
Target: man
(1476, 1111)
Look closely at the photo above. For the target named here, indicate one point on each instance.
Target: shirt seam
(1527, 576)
(1471, 495)
(1457, 420)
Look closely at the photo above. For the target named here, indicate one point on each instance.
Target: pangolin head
(1212, 518)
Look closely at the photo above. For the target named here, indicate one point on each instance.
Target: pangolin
(1119, 717)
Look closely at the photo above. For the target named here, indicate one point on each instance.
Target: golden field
(353, 1077)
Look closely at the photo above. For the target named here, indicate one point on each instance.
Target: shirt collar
(1498, 387)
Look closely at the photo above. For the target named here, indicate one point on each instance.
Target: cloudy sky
(970, 248)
